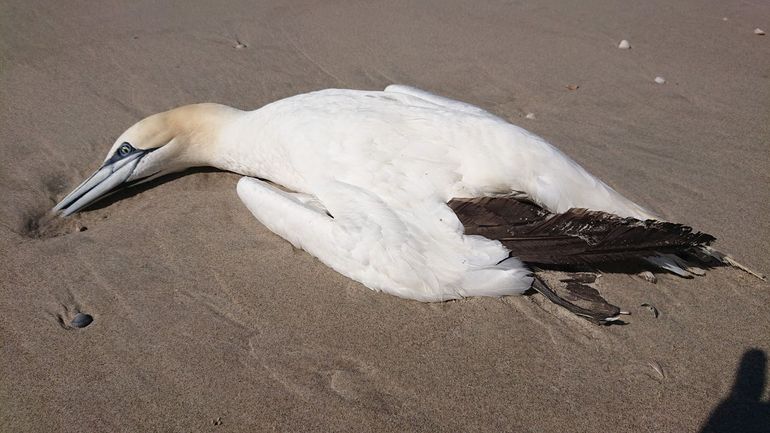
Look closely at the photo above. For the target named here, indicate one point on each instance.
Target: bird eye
(125, 149)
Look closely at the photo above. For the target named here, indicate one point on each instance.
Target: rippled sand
(204, 320)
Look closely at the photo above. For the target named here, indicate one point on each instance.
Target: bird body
(366, 178)
(405, 148)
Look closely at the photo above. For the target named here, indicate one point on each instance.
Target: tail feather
(729, 261)
(666, 262)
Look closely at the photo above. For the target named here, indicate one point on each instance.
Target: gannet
(375, 184)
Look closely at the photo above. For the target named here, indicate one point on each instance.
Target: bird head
(163, 143)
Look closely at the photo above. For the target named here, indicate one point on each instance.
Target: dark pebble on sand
(81, 320)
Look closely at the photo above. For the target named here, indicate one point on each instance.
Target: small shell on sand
(530, 116)
(648, 276)
(81, 320)
(759, 32)
(724, 18)
(652, 309)
(658, 368)
(660, 80)
(624, 45)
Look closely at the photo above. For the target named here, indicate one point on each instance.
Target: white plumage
(384, 164)
(371, 173)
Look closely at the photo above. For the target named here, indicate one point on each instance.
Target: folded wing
(577, 236)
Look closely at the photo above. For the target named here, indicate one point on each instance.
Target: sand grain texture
(206, 321)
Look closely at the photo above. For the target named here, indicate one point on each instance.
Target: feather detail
(580, 299)
(577, 236)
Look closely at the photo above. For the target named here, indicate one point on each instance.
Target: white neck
(245, 143)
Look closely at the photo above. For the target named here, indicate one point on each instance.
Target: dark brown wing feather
(577, 236)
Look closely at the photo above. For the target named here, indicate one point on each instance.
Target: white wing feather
(386, 249)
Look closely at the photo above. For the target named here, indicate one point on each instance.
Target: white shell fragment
(660, 80)
(648, 276)
(652, 309)
(759, 32)
(530, 116)
(624, 45)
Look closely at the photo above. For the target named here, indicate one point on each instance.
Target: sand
(206, 321)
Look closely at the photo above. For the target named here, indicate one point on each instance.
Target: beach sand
(206, 321)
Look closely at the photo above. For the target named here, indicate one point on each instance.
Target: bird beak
(106, 179)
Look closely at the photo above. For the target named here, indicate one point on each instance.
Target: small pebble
(759, 32)
(624, 45)
(81, 320)
(239, 45)
(572, 86)
(660, 80)
(724, 18)
(530, 116)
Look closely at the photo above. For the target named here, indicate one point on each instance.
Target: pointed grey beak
(105, 180)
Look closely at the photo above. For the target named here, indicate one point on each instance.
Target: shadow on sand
(743, 411)
(130, 190)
